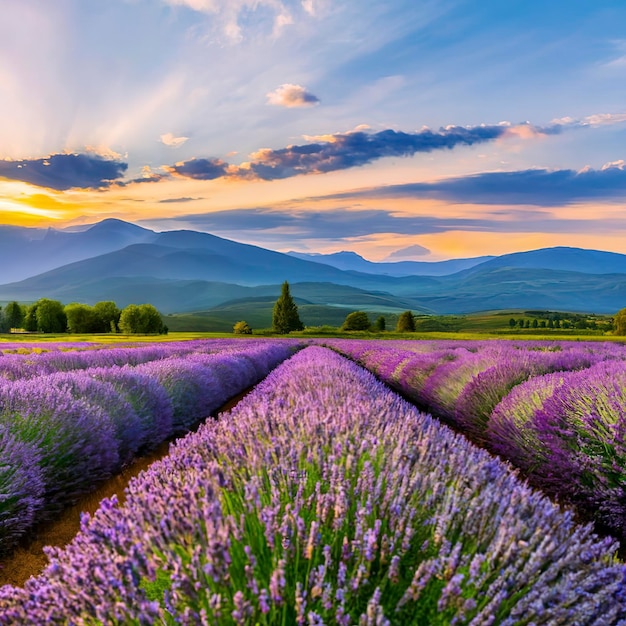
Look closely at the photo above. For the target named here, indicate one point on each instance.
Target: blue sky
(442, 129)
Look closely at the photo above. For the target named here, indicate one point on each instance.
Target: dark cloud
(344, 150)
(359, 148)
(538, 187)
(65, 171)
(200, 169)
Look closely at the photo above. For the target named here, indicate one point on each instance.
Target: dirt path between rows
(28, 558)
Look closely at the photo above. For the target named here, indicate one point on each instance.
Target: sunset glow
(320, 126)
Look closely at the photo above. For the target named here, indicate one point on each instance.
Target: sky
(401, 130)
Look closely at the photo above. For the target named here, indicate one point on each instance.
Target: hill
(184, 271)
(347, 260)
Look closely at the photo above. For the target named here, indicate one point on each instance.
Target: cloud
(65, 171)
(538, 187)
(339, 151)
(172, 141)
(200, 169)
(178, 200)
(231, 16)
(407, 254)
(339, 224)
(597, 119)
(345, 150)
(147, 176)
(292, 96)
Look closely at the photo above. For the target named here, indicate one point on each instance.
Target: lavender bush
(147, 397)
(75, 440)
(324, 498)
(84, 424)
(21, 485)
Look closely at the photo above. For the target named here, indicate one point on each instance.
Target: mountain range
(182, 271)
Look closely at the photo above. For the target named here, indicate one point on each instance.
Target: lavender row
(559, 415)
(20, 366)
(323, 498)
(62, 433)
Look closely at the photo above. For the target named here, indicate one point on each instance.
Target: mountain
(560, 258)
(348, 260)
(182, 271)
(26, 252)
(189, 255)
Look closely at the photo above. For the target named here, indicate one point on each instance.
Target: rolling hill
(183, 271)
(347, 260)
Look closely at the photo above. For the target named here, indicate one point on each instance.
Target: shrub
(406, 323)
(357, 320)
(242, 328)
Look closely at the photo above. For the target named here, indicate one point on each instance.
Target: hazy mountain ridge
(190, 270)
(347, 260)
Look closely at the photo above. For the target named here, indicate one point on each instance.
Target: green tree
(13, 315)
(242, 328)
(512, 323)
(357, 320)
(380, 324)
(108, 316)
(535, 323)
(50, 316)
(285, 316)
(81, 318)
(406, 323)
(619, 322)
(30, 319)
(141, 319)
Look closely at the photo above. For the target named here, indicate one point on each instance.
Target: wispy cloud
(65, 171)
(231, 14)
(540, 187)
(341, 224)
(169, 139)
(178, 200)
(292, 96)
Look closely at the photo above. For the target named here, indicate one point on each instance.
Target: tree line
(52, 316)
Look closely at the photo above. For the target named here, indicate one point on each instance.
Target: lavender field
(322, 497)
(69, 419)
(555, 410)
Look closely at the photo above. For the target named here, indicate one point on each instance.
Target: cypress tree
(285, 316)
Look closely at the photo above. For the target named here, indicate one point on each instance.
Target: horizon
(85, 227)
(412, 131)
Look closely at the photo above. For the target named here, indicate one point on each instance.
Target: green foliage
(103, 317)
(357, 320)
(380, 324)
(108, 316)
(242, 328)
(620, 322)
(30, 319)
(285, 316)
(141, 319)
(80, 318)
(46, 316)
(13, 315)
(406, 323)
